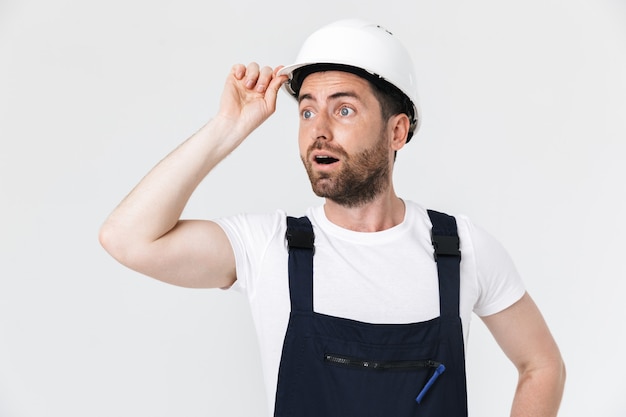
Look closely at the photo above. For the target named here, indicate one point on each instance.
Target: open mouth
(325, 159)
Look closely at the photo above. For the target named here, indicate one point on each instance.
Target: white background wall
(524, 129)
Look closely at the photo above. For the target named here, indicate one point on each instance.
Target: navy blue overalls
(337, 367)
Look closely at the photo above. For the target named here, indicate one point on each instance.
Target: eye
(307, 114)
(345, 111)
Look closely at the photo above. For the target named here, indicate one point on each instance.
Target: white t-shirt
(380, 277)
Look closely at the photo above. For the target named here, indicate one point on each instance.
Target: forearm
(154, 206)
(523, 335)
(145, 233)
(539, 390)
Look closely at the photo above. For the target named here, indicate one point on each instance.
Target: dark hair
(392, 100)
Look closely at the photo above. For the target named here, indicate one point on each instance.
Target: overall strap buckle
(444, 235)
(302, 239)
(447, 254)
(445, 245)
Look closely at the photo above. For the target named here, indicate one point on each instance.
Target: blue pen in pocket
(430, 383)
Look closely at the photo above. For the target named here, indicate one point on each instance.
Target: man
(383, 330)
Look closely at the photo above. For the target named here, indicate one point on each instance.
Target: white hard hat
(360, 44)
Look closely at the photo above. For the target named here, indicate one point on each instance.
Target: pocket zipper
(390, 365)
(379, 365)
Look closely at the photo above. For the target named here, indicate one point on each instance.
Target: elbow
(548, 362)
(562, 373)
(107, 238)
(555, 374)
(559, 371)
(113, 241)
(549, 373)
(125, 246)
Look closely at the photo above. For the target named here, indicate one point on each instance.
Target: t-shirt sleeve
(499, 282)
(249, 236)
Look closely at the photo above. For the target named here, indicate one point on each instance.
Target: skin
(324, 98)
(339, 117)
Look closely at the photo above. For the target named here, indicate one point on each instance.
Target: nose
(320, 127)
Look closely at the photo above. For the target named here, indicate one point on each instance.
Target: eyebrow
(331, 97)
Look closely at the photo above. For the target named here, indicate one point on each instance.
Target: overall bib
(337, 367)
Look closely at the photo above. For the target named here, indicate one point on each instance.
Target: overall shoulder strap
(300, 239)
(447, 254)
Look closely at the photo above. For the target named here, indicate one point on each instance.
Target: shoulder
(255, 238)
(252, 222)
(499, 283)
(469, 233)
(253, 230)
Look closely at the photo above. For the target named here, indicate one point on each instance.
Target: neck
(384, 212)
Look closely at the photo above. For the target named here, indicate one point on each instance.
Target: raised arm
(145, 231)
(523, 335)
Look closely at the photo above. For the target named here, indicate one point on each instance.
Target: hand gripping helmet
(354, 44)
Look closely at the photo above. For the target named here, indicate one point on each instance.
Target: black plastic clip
(446, 245)
(301, 239)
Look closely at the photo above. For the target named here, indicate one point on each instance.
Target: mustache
(322, 145)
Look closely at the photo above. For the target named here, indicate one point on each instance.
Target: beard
(362, 176)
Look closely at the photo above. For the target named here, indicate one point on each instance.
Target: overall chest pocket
(343, 378)
(390, 366)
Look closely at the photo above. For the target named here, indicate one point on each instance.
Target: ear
(399, 126)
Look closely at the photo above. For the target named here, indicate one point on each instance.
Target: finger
(252, 75)
(273, 88)
(278, 81)
(239, 70)
(277, 69)
(265, 77)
